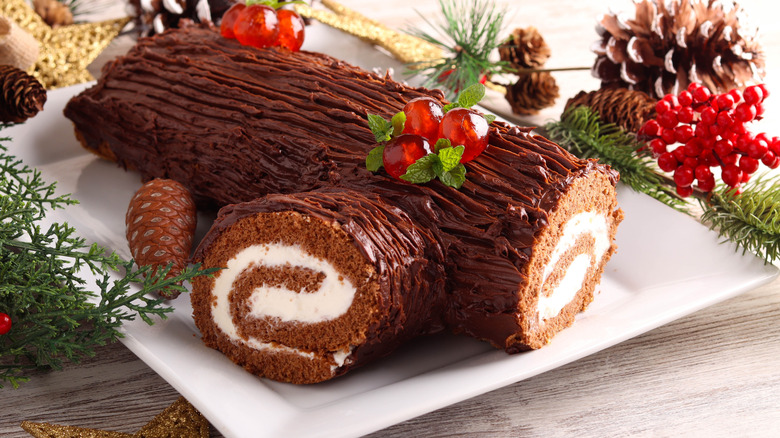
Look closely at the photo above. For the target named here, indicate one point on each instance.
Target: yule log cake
(328, 265)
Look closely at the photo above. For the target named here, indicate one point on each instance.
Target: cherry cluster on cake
(695, 131)
(262, 24)
(428, 140)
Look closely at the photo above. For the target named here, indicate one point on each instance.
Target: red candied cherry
(229, 20)
(402, 151)
(467, 127)
(731, 175)
(667, 162)
(5, 323)
(423, 116)
(257, 25)
(291, 30)
(745, 112)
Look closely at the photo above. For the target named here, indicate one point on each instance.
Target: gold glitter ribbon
(180, 419)
(66, 51)
(405, 48)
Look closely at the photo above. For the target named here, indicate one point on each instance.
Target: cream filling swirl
(332, 299)
(588, 222)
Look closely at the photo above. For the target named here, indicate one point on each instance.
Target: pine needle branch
(582, 132)
(57, 316)
(468, 32)
(751, 218)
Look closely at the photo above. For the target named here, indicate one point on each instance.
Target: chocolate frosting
(234, 123)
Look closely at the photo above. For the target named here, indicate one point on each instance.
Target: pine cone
(525, 48)
(161, 221)
(53, 12)
(21, 95)
(154, 16)
(532, 92)
(668, 45)
(626, 108)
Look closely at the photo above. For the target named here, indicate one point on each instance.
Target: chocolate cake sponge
(518, 249)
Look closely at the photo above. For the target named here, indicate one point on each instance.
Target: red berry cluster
(709, 131)
(426, 123)
(260, 25)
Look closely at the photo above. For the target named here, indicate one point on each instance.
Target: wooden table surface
(713, 373)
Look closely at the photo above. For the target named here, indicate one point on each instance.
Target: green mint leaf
(450, 106)
(421, 171)
(380, 127)
(450, 157)
(455, 177)
(490, 118)
(374, 158)
(471, 95)
(441, 144)
(398, 121)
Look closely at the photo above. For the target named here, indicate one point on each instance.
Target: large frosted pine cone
(668, 45)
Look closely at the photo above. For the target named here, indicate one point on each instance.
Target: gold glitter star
(180, 419)
(65, 51)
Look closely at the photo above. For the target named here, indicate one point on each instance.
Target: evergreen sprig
(56, 314)
(581, 131)
(468, 32)
(751, 218)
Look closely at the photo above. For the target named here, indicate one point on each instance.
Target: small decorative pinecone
(669, 44)
(21, 95)
(161, 221)
(525, 48)
(532, 92)
(626, 108)
(154, 16)
(53, 12)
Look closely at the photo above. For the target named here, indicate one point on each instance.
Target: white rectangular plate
(667, 266)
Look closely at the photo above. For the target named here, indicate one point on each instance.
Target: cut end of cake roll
(304, 296)
(566, 265)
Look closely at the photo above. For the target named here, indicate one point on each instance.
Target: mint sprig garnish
(443, 163)
(381, 128)
(374, 158)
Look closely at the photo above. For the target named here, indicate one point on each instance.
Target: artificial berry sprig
(696, 131)
(426, 140)
(260, 23)
(5, 323)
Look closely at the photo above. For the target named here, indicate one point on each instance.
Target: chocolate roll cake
(519, 248)
(316, 283)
